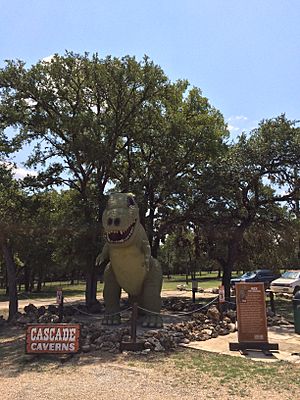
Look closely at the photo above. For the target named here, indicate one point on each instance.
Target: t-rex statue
(130, 265)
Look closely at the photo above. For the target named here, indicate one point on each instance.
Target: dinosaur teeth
(120, 236)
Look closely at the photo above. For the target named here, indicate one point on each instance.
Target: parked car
(289, 282)
(261, 275)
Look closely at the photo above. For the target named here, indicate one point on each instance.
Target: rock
(31, 308)
(185, 341)
(24, 319)
(152, 332)
(202, 337)
(45, 317)
(148, 346)
(145, 352)
(41, 311)
(93, 347)
(54, 318)
(105, 346)
(231, 327)
(158, 347)
(86, 348)
(215, 290)
(231, 314)
(207, 332)
(52, 309)
(213, 313)
(181, 287)
(223, 331)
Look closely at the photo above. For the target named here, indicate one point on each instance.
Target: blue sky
(243, 54)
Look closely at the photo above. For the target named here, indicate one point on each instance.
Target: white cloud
(47, 59)
(232, 128)
(237, 118)
(19, 172)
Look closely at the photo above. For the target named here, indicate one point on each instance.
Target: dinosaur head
(121, 219)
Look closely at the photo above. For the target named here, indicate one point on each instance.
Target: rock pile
(201, 326)
(195, 326)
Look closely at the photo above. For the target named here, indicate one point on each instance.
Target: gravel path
(116, 382)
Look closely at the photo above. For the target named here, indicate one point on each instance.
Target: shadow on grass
(284, 307)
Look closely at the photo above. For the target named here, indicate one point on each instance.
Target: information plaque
(251, 312)
(252, 319)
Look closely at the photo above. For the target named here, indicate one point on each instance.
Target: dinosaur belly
(128, 266)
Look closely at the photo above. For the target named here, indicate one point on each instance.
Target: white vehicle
(289, 282)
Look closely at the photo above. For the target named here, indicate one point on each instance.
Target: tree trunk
(27, 277)
(91, 287)
(11, 278)
(226, 280)
(31, 282)
(233, 246)
(39, 283)
(155, 247)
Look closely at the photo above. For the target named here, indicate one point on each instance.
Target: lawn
(206, 281)
(283, 306)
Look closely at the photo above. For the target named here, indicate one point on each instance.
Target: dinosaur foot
(111, 320)
(152, 321)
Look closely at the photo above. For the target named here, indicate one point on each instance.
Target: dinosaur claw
(111, 320)
(152, 321)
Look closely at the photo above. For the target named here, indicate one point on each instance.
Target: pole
(61, 309)
(133, 322)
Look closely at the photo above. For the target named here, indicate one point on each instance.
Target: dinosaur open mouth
(120, 236)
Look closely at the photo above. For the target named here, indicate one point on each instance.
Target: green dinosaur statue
(130, 265)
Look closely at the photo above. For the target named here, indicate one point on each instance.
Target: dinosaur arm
(145, 247)
(103, 256)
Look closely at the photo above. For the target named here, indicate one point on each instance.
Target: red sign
(251, 312)
(52, 338)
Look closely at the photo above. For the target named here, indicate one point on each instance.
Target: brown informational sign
(52, 338)
(251, 312)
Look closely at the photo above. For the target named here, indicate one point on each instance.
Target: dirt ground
(104, 375)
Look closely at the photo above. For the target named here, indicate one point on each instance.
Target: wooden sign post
(133, 345)
(252, 318)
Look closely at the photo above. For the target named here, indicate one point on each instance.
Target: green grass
(49, 291)
(284, 307)
(238, 372)
(206, 281)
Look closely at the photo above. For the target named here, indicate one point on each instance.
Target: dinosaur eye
(130, 202)
(109, 221)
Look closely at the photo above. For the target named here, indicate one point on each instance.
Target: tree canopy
(97, 125)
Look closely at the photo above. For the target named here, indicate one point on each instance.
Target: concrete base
(285, 336)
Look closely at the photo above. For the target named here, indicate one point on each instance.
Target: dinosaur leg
(151, 299)
(111, 294)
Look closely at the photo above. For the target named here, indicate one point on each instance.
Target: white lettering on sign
(53, 334)
(52, 338)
